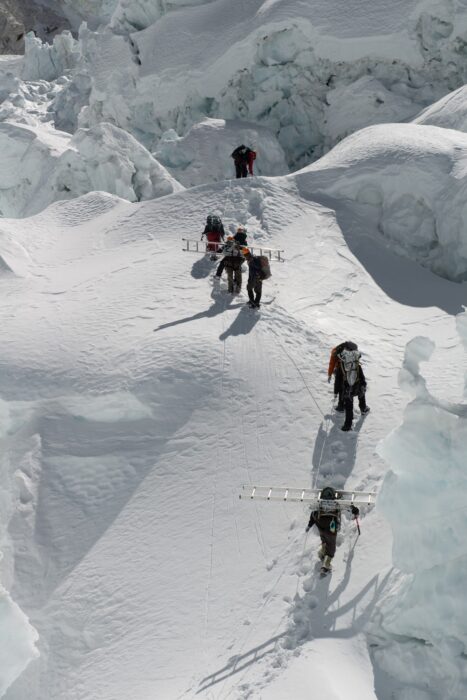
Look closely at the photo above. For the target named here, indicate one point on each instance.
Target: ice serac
(423, 498)
(39, 165)
(237, 61)
(413, 182)
(43, 61)
(109, 159)
(204, 154)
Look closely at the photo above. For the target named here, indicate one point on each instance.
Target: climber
(214, 232)
(336, 369)
(255, 279)
(232, 261)
(327, 519)
(243, 159)
(353, 384)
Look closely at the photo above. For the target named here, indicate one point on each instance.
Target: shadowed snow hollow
(423, 498)
(413, 181)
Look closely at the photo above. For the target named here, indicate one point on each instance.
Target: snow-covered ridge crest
(413, 181)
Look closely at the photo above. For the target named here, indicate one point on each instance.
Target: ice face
(423, 498)
(17, 641)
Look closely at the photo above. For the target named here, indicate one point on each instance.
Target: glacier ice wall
(164, 82)
(423, 498)
(17, 641)
(40, 166)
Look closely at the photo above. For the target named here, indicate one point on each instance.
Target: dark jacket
(254, 267)
(241, 154)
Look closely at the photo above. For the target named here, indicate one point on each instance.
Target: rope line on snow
(326, 422)
(302, 377)
(214, 499)
(325, 418)
(290, 545)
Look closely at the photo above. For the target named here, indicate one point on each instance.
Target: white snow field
(136, 397)
(137, 401)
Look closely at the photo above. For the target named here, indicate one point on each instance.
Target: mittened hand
(355, 510)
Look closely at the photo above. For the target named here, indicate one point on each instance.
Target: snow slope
(149, 399)
(136, 398)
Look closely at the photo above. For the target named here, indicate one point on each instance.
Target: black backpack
(214, 223)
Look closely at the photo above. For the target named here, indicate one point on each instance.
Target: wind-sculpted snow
(131, 15)
(39, 165)
(413, 180)
(204, 154)
(449, 112)
(423, 498)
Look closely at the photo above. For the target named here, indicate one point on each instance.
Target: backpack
(350, 363)
(265, 272)
(329, 516)
(231, 248)
(214, 223)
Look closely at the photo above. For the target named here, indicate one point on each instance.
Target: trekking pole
(357, 524)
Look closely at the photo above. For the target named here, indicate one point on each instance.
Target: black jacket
(240, 155)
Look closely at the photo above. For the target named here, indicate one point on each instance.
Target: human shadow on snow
(316, 614)
(313, 615)
(334, 452)
(202, 268)
(221, 303)
(243, 324)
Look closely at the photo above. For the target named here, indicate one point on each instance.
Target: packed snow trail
(146, 402)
